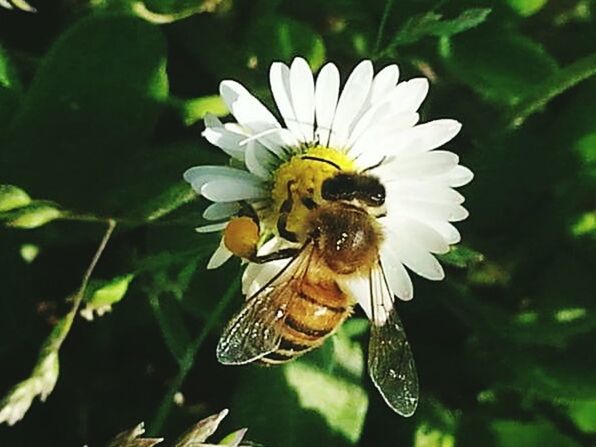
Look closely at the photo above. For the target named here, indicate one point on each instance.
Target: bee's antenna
(376, 165)
(322, 160)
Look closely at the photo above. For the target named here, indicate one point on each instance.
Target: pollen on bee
(306, 175)
(241, 236)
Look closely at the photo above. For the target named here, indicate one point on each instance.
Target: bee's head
(354, 186)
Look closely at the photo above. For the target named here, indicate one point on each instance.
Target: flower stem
(382, 24)
(62, 329)
(45, 373)
(553, 86)
(188, 361)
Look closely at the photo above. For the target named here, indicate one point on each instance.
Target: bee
(303, 304)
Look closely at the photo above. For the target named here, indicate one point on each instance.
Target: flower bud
(33, 216)
(12, 197)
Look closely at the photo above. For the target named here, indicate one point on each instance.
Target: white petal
(398, 278)
(382, 133)
(302, 86)
(420, 165)
(458, 176)
(458, 214)
(257, 275)
(326, 94)
(419, 190)
(280, 140)
(408, 95)
(417, 259)
(365, 122)
(384, 82)
(211, 228)
(199, 175)
(447, 230)
(279, 78)
(379, 97)
(226, 139)
(258, 160)
(247, 109)
(421, 138)
(352, 99)
(220, 255)
(358, 290)
(221, 210)
(230, 189)
(425, 210)
(421, 234)
(261, 275)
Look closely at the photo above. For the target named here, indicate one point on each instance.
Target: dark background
(99, 116)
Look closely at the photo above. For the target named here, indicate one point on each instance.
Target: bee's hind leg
(247, 210)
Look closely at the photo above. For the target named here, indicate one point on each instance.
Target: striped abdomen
(314, 312)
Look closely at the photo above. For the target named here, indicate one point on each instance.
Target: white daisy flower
(370, 124)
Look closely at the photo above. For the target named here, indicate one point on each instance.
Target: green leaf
(271, 38)
(462, 257)
(526, 8)
(171, 322)
(32, 216)
(528, 434)
(562, 304)
(501, 66)
(585, 225)
(164, 203)
(437, 427)
(8, 76)
(433, 24)
(202, 430)
(341, 404)
(317, 399)
(12, 197)
(90, 109)
(102, 295)
(234, 439)
(132, 438)
(10, 89)
(537, 96)
(583, 413)
(193, 110)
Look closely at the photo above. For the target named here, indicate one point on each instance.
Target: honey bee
(303, 304)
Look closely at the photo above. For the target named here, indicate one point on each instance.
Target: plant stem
(382, 24)
(62, 329)
(188, 361)
(553, 86)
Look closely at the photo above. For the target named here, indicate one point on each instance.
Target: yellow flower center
(305, 173)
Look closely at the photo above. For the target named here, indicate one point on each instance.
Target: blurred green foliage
(100, 112)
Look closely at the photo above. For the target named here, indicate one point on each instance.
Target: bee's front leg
(309, 202)
(284, 253)
(284, 212)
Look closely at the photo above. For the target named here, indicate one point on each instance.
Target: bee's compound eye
(371, 191)
(338, 187)
(329, 189)
(241, 236)
(377, 195)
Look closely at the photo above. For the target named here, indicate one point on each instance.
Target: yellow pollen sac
(306, 172)
(241, 236)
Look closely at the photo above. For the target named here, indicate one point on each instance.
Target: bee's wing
(390, 361)
(254, 332)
